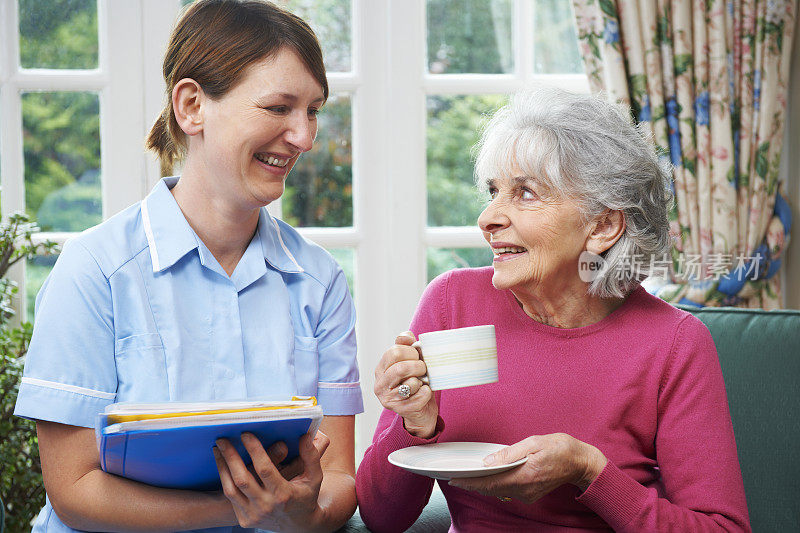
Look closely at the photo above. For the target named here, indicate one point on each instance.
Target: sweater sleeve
(390, 498)
(695, 451)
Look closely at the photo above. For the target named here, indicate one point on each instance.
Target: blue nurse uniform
(138, 309)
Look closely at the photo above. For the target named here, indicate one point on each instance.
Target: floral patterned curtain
(710, 79)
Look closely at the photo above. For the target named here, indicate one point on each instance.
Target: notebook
(170, 444)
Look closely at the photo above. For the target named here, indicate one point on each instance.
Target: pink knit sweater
(643, 385)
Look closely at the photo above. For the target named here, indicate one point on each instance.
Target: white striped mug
(459, 357)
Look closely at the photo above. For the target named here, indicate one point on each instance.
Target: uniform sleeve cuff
(339, 399)
(55, 405)
(615, 496)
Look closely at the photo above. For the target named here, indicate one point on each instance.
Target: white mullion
(371, 199)
(407, 155)
(523, 38)
(471, 83)
(4, 68)
(345, 82)
(275, 208)
(332, 237)
(58, 237)
(10, 24)
(158, 16)
(325, 237)
(59, 80)
(8, 52)
(12, 163)
(356, 46)
(500, 83)
(454, 237)
(571, 82)
(122, 126)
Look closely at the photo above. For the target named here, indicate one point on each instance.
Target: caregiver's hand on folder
(268, 496)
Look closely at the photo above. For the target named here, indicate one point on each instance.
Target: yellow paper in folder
(117, 413)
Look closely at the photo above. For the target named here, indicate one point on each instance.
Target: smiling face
(253, 135)
(535, 236)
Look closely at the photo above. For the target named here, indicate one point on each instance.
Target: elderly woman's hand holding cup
(399, 387)
(409, 371)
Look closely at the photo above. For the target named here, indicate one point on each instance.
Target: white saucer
(450, 460)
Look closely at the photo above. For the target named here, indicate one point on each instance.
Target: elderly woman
(615, 398)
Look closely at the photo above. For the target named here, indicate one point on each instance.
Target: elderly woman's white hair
(586, 149)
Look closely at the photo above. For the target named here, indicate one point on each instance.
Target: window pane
(319, 189)
(330, 20)
(61, 133)
(443, 259)
(346, 257)
(555, 38)
(36, 270)
(58, 34)
(453, 128)
(470, 36)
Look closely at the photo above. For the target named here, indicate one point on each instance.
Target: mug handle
(418, 346)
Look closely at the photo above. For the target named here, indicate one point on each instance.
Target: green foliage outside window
(331, 21)
(319, 189)
(454, 124)
(440, 260)
(470, 36)
(62, 159)
(58, 34)
(61, 130)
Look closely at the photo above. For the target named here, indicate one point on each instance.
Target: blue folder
(181, 457)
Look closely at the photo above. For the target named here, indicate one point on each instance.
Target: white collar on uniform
(170, 237)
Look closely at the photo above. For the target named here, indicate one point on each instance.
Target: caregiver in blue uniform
(197, 294)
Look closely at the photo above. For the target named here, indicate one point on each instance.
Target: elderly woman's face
(535, 237)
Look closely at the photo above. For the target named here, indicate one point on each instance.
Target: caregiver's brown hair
(213, 43)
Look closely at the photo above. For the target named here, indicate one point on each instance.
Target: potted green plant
(21, 488)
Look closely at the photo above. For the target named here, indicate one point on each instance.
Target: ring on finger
(504, 498)
(404, 391)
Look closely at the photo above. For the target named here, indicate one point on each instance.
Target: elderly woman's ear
(607, 229)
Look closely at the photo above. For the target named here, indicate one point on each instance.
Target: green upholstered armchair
(760, 356)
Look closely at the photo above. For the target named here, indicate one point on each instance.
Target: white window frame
(388, 86)
(126, 81)
(392, 213)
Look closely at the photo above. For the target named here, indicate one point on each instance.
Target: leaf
(762, 164)
(609, 8)
(744, 180)
(663, 34)
(638, 84)
(592, 40)
(682, 63)
(688, 164)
